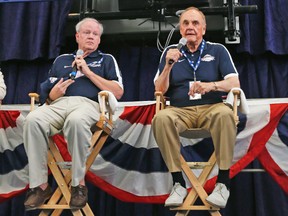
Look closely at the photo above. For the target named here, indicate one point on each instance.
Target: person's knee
(32, 120)
(160, 119)
(75, 121)
(224, 114)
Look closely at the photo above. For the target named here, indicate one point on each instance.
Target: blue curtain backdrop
(31, 38)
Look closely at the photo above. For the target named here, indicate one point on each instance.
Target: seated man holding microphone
(73, 107)
(193, 77)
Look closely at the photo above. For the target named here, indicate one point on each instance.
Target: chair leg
(53, 156)
(97, 146)
(62, 195)
(197, 190)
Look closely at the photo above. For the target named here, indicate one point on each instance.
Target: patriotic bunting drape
(130, 167)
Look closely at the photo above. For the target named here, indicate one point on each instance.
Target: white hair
(78, 25)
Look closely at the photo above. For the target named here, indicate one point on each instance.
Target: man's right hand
(173, 55)
(60, 89)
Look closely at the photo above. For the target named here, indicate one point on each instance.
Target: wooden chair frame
(61, 196)
(197, 184)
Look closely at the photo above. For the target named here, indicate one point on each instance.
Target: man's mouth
(90, 42)
(190, 33)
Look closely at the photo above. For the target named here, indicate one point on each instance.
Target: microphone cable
(160, 47)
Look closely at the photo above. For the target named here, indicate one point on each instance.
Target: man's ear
(77, 36)
(204, 30)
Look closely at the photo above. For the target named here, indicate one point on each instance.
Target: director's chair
(60, 168)
(197, 183)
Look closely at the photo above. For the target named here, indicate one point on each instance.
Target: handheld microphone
(182, 42)
(72, 75)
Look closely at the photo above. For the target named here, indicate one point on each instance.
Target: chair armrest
(160, 101)
(104, 102)
(107, 103)
(236, 94)
(33, 98)
(103, 96)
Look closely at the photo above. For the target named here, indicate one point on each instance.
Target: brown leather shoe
(79, 197)
(36, 197)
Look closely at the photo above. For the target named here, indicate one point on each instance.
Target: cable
(159, 45)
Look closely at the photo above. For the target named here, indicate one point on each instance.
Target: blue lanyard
(195, 67)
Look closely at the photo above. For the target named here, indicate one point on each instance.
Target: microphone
(182, 42)
(72, 75)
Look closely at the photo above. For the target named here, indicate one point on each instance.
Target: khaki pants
(74, 116)
(218, 119)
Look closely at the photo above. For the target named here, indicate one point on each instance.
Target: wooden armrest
(33, 97)
(160, 101)
(104, 94)
(104, 97)
(236, 94)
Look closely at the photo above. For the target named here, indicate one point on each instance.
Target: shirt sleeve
(161, 64)
(226, 66)
(47, 85)
(2, 86)
(112, 71)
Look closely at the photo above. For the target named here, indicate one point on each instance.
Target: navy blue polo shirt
(216, 64)
(100, 63)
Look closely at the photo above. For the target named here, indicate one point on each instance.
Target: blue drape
(31, 38)
(267, 30)
(23, 77)
(263, 76)
(32, 30)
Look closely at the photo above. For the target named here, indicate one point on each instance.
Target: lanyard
(196, 65)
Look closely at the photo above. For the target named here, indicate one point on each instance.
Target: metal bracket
(232, 28)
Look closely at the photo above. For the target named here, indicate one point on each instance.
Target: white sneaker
(176, 196)
(219, 196)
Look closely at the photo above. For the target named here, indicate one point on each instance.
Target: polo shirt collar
(94, 54)
(185, 48)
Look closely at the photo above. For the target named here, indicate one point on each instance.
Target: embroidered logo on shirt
(208, 58)
(180, 60)
(96, 63)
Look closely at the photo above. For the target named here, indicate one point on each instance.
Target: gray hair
(192, 8)
(78, 25)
